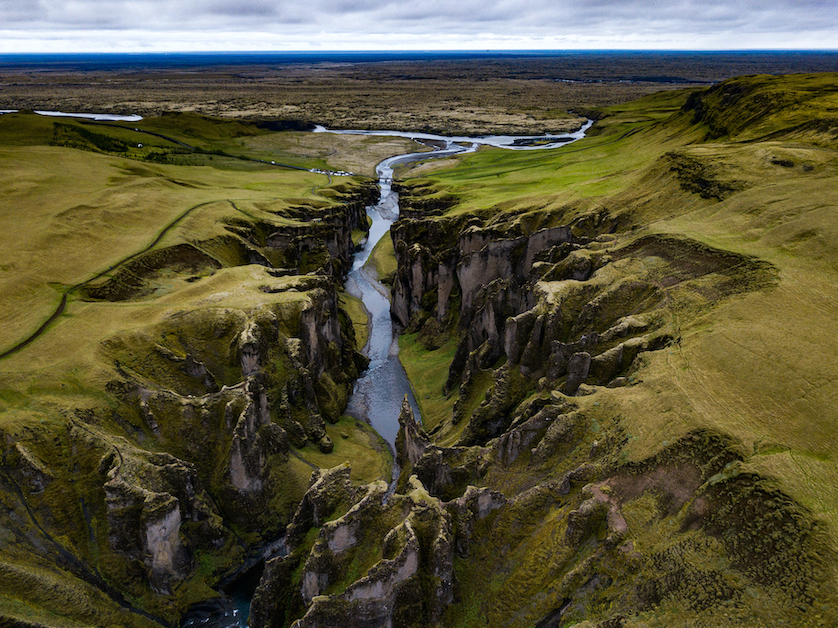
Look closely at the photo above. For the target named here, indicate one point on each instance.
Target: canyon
(619, 350)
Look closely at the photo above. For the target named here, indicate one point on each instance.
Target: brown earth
(510, 95)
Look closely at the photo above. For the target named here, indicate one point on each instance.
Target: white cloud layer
(192, 25)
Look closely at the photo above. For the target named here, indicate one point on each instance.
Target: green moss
(383, 260)
(331, 398)
(427, 372)
(359, 317)
(363, 558)
(357, 443)
(358, 237)
(301, 552)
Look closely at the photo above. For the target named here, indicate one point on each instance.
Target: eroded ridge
(543, 331)
(191, 466)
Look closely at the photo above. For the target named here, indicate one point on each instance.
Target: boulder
(577, 371)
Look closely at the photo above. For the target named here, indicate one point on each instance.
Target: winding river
(379, 392)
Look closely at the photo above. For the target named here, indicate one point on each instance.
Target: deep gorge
(619, 426)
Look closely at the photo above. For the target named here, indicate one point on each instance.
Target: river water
(378, 393)
(100, 117)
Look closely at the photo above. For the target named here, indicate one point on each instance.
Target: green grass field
(750, 169)
(162, 232)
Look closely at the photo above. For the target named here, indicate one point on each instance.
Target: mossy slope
(684, 474)
(161, 427)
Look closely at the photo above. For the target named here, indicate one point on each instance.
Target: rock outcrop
(542, 315)
(562, 308)
(384, 561)
(148, 498)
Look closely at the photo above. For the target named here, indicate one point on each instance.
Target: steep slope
(624, 358)
(158, 430)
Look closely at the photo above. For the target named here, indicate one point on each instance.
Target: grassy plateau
(745, 171)
(625, 347)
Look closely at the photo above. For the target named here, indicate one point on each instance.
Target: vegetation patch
(383, 260)
(622, 351)
(175, 368)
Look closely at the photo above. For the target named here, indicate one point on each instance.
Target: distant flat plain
(454, 94)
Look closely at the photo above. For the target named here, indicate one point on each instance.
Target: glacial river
(378, 393)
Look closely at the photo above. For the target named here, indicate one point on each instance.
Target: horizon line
(421, 51)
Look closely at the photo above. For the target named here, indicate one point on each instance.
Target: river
(99, 117)
(378, 393)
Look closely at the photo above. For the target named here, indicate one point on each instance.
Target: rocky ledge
(186, 468)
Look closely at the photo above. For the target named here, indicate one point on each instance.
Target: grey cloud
(464, 11)
(21, 11)
(340, 7)
(585, 18)
(243, 10)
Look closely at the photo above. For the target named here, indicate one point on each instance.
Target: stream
(378, 393)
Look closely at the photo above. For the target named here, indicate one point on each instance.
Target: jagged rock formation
(377, 561)
(206, 403)
(259, 414)
(148, 498)
(570, 523)
(556, 303)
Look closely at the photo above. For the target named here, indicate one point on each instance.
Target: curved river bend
(378, 393)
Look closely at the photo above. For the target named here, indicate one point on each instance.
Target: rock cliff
(186, 469)
(379, 560)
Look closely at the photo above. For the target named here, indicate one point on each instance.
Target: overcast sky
(193, 25)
